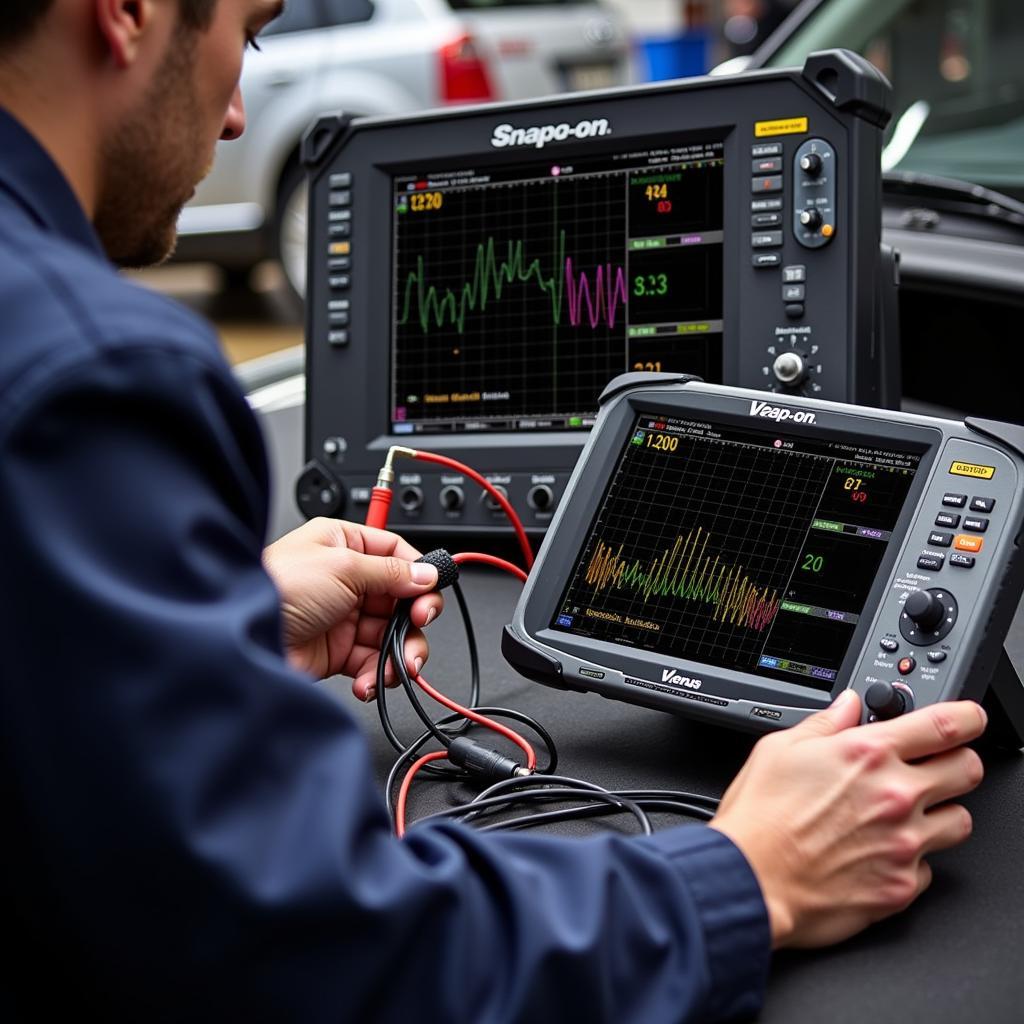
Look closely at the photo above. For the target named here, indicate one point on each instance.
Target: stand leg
(1004, 703)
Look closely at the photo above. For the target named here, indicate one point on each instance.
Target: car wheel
(291, 229)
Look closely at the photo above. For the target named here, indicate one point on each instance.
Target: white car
(378, 57)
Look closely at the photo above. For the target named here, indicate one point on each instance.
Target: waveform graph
(687, 571)
(693, 549)
(515, 289)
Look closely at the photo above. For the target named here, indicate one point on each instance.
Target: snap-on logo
(539, 135)
(775, 412)
(670, 675)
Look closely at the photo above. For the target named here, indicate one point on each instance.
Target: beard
(150, 168)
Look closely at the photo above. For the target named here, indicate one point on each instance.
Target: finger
(425, 609)
(388, 575)
(842, 713)
(934, 729)
(416, 651)
(947, 826)
(382, 543)
(949, 775)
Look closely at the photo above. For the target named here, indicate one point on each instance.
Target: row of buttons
(934, 560)
(907, 665)
(766, 171)
(339, 255)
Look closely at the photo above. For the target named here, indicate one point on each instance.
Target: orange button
(964, 542)
(827, 230)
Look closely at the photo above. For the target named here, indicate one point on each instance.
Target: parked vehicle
(379, 57)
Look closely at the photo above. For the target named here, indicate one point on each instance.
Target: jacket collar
(29, 175)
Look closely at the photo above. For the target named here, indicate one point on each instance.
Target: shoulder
(65, 306)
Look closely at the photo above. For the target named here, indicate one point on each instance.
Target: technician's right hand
(836, 819)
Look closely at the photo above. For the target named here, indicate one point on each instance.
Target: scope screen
(737, 548)
(520, 290)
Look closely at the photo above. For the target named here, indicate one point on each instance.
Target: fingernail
(430, 615)
(843, 699)
(423, 573)
(418, 662)
(371, 694)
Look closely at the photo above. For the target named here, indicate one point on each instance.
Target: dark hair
(20, 17)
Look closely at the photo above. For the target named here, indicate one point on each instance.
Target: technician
(192, 829)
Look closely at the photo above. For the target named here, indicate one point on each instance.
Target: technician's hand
(835, 820)
(338, 583)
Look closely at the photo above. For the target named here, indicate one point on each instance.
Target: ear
(123, 25)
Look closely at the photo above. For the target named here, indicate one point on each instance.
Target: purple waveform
(608, 291)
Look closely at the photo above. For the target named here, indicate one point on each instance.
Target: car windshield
(957, 70)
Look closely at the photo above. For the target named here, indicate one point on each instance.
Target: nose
(234, 119)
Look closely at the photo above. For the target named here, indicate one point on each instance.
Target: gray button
(335, 304)
(337, 338)
(794, 274)
(933, 562)
(334, 216)
(976, 524)
(342, 179)
(765, 204)
(954, 500)
(982, 504)
(792, 293)
(766, 149)
(339, 281)
(794, 310)
(342, 230)
(767, 165)
(339, 263)
(888, 644)
(937, 656)
(338, 319)
(342, 198)
(939, 539)
(964, 561)
(766, 220)
(771, 183)
(950, 519)
(766, 259)
(766, 239)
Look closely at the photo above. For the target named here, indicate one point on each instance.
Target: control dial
(811, 218)
(888, 700)
(789, 368)
(810, 164)
(793, 370)
(928, 615)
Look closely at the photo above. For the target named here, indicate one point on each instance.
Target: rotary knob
(810, 219)
(789, 368)
(924, 608)
(810, 164)
(885, 700)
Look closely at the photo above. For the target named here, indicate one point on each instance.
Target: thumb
(842, 713)
(390, 576)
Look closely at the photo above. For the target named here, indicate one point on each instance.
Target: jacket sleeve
(199, 832)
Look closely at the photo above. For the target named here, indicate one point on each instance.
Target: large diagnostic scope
(477, 276)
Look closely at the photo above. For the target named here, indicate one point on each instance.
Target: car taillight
(464, 76)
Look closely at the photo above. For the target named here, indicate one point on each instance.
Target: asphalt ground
(250, 321)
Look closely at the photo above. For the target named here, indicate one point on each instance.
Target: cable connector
(478, 760)
(446, 566)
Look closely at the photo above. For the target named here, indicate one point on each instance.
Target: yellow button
(971, 469)
(827, 230)
(965, 542)
(339, 248)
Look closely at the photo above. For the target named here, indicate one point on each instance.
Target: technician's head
(130, 97)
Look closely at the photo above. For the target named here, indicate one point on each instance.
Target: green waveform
(490, 277)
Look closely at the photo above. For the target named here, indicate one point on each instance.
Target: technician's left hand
(338, 583)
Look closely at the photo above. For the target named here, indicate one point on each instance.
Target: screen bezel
(568, 535)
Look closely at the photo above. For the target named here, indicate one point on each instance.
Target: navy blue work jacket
(192, 830)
